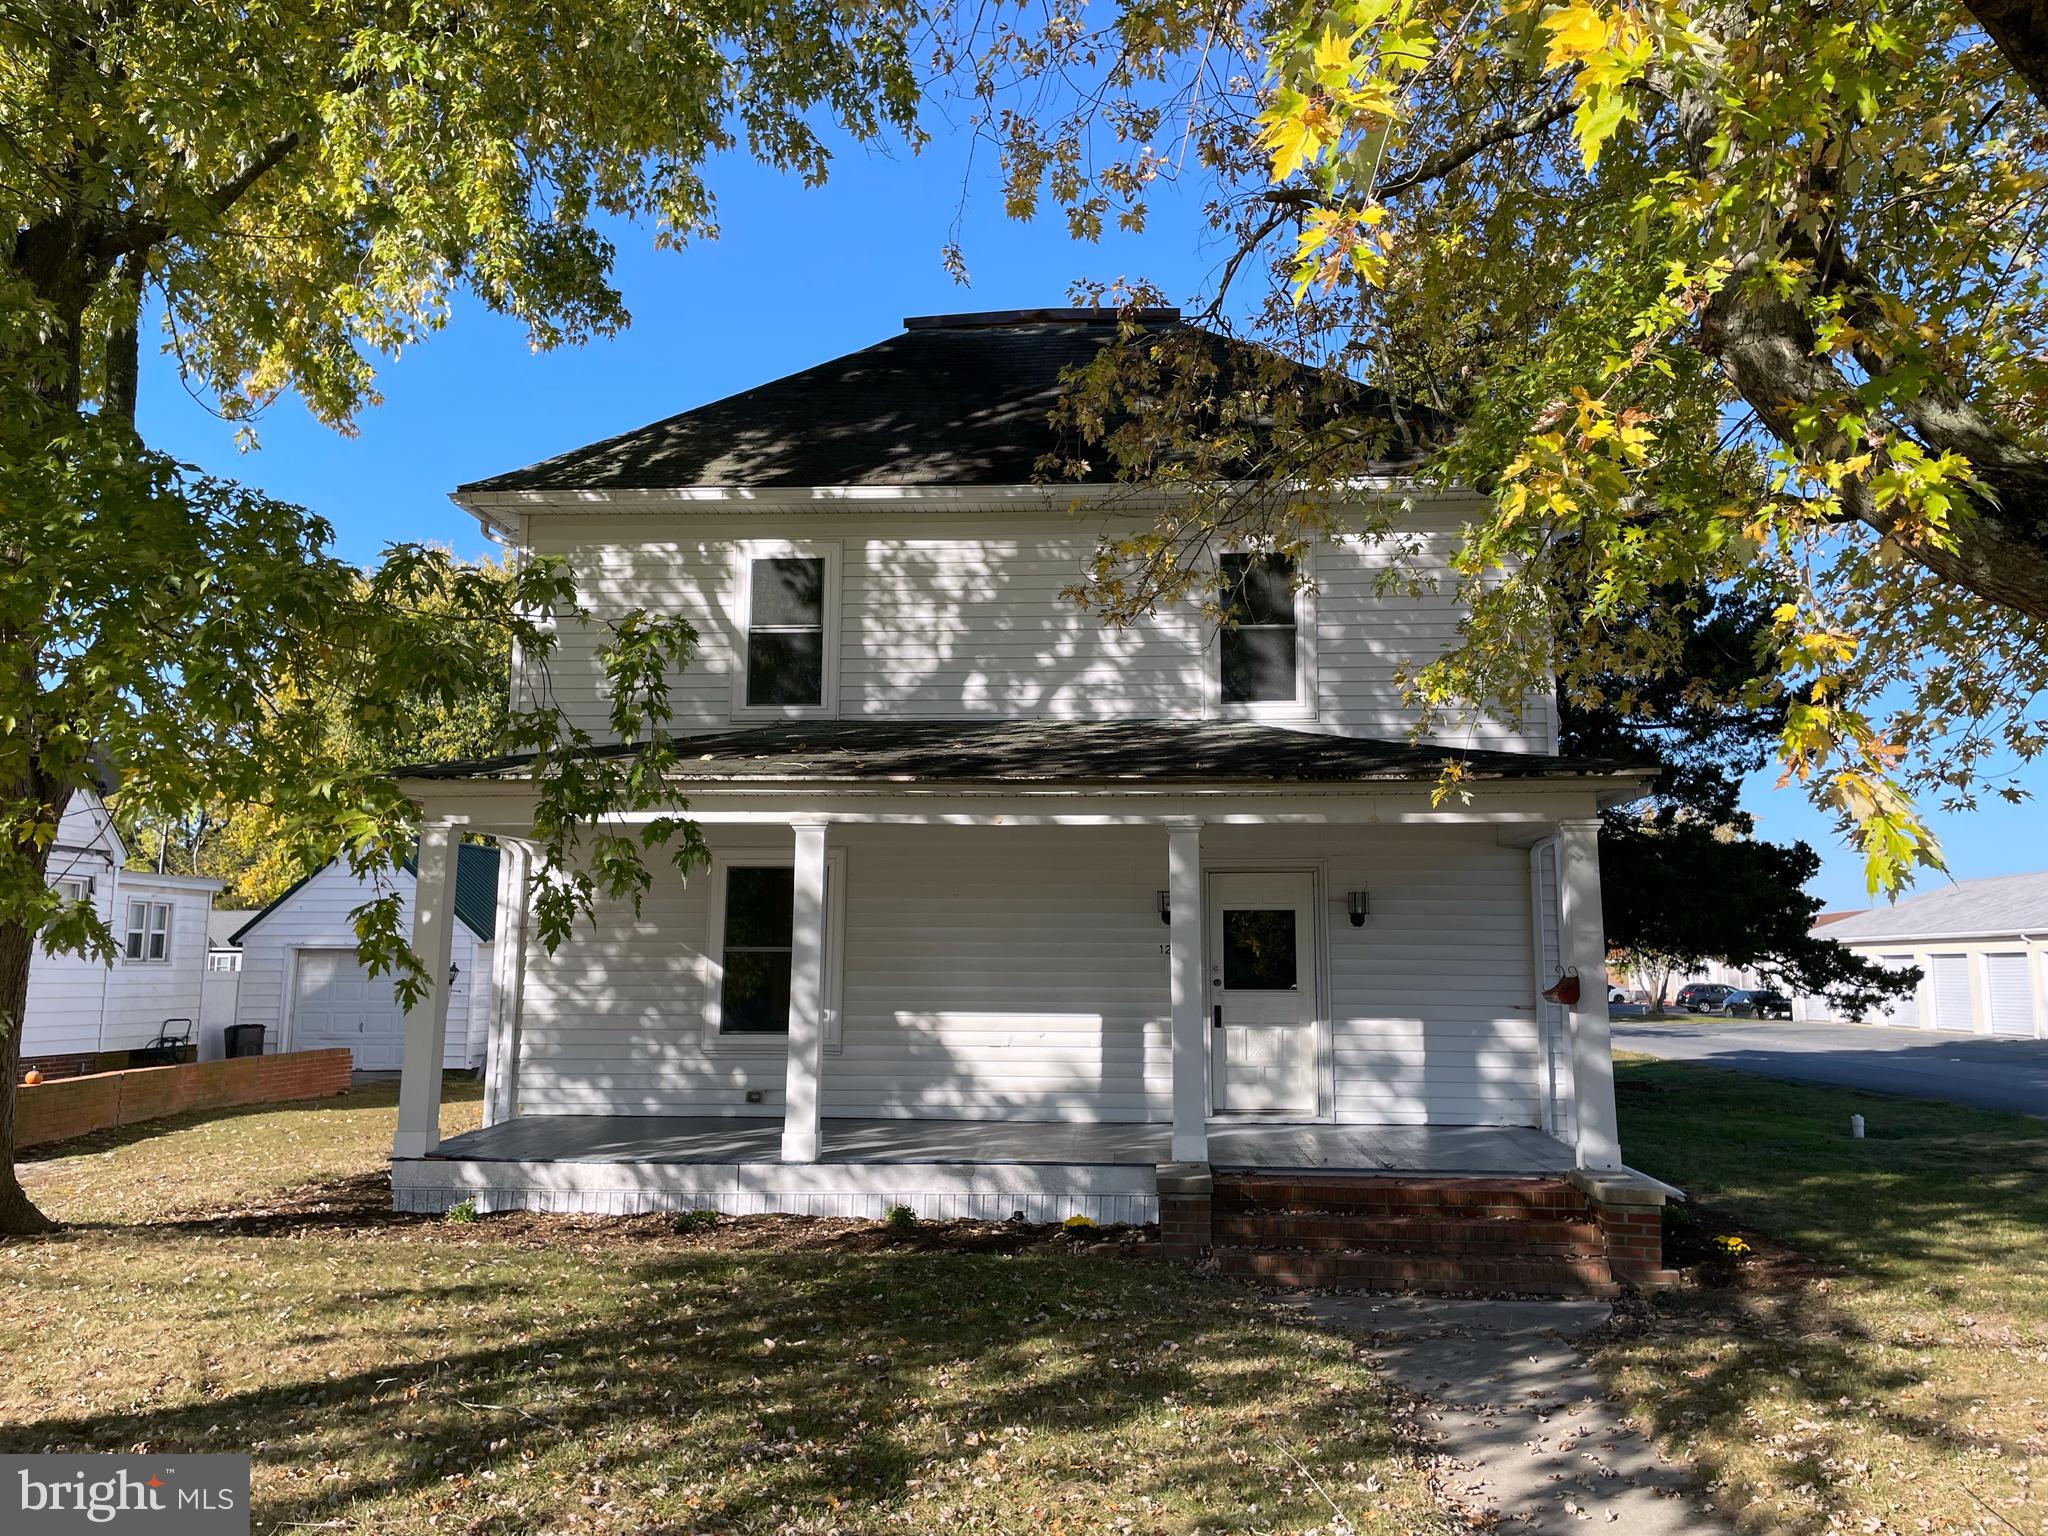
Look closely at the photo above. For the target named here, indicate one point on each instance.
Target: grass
(235, 1283)
(1880, 1364)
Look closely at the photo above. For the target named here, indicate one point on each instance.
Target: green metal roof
(476, 887)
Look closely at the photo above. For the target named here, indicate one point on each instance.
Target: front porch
(624, 1164)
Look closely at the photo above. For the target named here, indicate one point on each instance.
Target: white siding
(66, 992)
(958, 614)
(143, 995)
(316, 916)
(78, 1004)
(1018, 973)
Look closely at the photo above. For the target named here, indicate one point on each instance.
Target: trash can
(242, 1040)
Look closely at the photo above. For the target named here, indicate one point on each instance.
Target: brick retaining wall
(57, 1111)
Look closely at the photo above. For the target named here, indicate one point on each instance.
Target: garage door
(2009, 991)
(1904, 1011)
(1952, 1009)
(336, 1003)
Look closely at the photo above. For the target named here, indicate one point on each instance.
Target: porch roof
(1061, 751)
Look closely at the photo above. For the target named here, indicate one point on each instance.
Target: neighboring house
(1007, 909)
(1982, 950)
(222, 953)
(81, 1009)
(300, 979)
(223, 982)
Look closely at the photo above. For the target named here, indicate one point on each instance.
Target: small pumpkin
(31, 1077)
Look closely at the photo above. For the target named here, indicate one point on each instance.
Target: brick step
(1485, 1198)
(1524, 1236)
(1420, 1272)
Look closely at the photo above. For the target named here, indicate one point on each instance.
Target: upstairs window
(786, 622)
(1260, 645)
(149, 931)
(74, 889)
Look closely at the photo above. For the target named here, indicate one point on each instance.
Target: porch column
(508, 980)
(801, 1114)
(1585, 949)
(1190, 1014)
(426, 1022)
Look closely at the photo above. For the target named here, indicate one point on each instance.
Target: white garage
(1982, 950)
(301, 981)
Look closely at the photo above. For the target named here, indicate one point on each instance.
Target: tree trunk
(18, 1214)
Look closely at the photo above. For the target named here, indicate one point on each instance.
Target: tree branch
(135, 234)
(1450, 158)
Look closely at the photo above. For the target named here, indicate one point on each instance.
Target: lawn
(235, 1283)
(1880, 1364)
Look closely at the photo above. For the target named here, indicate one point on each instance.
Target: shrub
(463, 1210)
(899, 1218)
(698, 1220)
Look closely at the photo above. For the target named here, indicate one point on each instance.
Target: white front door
(1262, 993)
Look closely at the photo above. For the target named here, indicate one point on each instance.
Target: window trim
(150, 905)
(1303, 706)
(716, 1041)
(745, 553)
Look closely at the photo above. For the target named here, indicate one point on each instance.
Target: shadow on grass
(735, 1389)
(1870, 1329)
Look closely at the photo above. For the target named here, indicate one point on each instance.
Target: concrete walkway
(1982, 1071)
(1527, 1436)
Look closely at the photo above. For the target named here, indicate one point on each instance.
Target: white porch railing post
(426, 1023)
(1188, 996)
(1585, 949)
(802, 1113)
(508, 981)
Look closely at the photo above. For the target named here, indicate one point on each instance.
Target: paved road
(1985, 1072)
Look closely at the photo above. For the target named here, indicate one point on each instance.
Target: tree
(1736, 300)
(246, 846)
(295, 192)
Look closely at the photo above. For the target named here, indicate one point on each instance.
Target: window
(1258, 950)
(1260, 654)
(149, 930)
(75, 889)
(785, 628)
(224, 960)
(754, 995)
(751, 948)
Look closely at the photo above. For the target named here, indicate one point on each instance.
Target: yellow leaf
(1576, 32)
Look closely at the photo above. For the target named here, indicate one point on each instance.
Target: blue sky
(797, 276)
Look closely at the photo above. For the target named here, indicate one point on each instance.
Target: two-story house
(1007, 911)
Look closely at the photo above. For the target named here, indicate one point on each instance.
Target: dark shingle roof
(953, 400)
(1009, 751)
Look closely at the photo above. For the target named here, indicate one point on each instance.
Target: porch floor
(729, 1140)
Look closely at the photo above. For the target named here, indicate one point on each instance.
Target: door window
(1258, 950)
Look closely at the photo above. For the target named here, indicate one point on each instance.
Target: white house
(1981, 947)
(299, 978)
(81, 1009)
(1007, 911)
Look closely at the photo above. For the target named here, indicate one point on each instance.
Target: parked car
(1762, 1003)
(1621, 1007)
(1702, 997)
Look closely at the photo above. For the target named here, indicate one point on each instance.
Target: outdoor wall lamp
(1166, 906)
(1359, 903)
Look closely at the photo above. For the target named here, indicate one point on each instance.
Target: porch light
(1166, 906)
(1359, 903)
